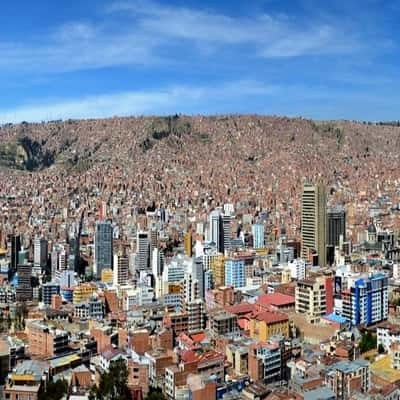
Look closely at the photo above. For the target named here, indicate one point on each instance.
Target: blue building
(366, 301)
(258, 236)
(235, 272)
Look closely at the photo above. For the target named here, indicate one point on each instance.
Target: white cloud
(168, 100)
(148, 33)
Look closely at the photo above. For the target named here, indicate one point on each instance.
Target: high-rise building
(188, 244)
(15, 249)
(314, 297)
(313, 223)
(235, 272)
(40, 252)
(120, 271)
(258, 236)
(220, 230)
(142, 251)
(336, 226)
(366, 302)
(24, 291)
(58, 261)
(103, 247)
(153, 243)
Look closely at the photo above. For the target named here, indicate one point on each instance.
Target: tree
(55, 390)
(113, 384)
(381, 349)
(155, 394)
(367, 342)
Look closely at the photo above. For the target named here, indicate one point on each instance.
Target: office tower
(120, 271)
(336, 226)
(157, 262)
(197, 272)
(313, 223)
(24, 291)
(142, 251)
(58, 261)
(188, 244)
(40, 252)
(235, 272)
(103, 247)
(226, 232)
(15, 249)
(220, 231)
(74, 250)
(217, 266)
(258, 236)
(215, 227)
(153, 242)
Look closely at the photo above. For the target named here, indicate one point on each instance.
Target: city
(199, 200)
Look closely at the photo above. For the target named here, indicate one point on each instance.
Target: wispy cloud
(169, 100)
(148, 33)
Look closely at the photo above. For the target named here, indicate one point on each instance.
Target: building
(313, 224)
(83, 292)
(297, 269)
(217, 267)
(103, 247)
(314, 297)
(258, 236)
(387, 334)
(120, 271)
(24, 291)
(223, 322)
(348, 377)
(266, 324)
(196, 315)
(336, 221)
(188, 243)
(15, 249)
(40, 252)
(365, 301)
(265, 362)
(142, 251)
(45, 341)
(107, 275)
(235, 272)
(49, 289)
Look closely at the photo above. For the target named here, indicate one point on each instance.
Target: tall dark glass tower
(103, 247)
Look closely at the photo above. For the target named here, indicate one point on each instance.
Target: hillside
(185, 160)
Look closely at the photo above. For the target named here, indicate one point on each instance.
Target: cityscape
(199, 200)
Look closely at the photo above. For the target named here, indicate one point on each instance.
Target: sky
(334, 59)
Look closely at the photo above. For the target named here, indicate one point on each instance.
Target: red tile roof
(242, 308)
(276, 299)
(198, 337)
(270, 317)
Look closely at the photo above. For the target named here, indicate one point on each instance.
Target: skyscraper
(220, 230)
(258, 235)
(15, 249)
(235, 272)
(40, 252)
(142, 251)
(120, 271)
(313, 223)
(336, 226)
(103, 247)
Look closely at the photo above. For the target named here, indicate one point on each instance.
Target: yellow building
(217, 266)
(267, 324)
(83, 293)
(189, 244)
(286, 276)
(107, 275)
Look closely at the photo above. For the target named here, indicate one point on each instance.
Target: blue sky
(92, 58)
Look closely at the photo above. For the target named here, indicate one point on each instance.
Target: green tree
(113, 384)
(155, 394)
(367, 342)
(55, 390)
